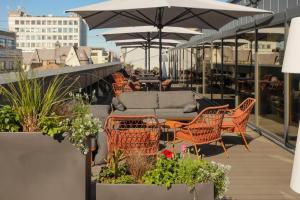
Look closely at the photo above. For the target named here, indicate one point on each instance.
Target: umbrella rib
(204, 21)
(91, 15)
(106, 20)
(132, 16)
(180, 36)
(137, 35)
(185, 12)
(222, 13)
(186, 18)
(153, 22)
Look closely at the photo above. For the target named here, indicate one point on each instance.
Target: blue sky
(55, 7)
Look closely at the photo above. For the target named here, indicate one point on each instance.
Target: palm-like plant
(32, 100)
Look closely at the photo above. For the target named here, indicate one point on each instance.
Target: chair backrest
(206, 126)
(242, 113)
(118, 77)
(119, 88)
(133, 134)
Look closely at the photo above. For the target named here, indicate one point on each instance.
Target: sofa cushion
(117, 104)
(175, 99)
(174, 114)
(136, 100)
(134, 112)
(191, 107)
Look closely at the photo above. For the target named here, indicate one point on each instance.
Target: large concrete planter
(153, 192)
(34, 166)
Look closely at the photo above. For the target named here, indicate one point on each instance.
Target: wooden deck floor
(262, 174)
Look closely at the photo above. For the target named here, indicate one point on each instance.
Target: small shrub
(9, 120)
(138, 165)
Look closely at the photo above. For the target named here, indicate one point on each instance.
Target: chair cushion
(188, 108)
(137, 100)
(134, 112)
(174, 114)
(175, 99)
(183, 136)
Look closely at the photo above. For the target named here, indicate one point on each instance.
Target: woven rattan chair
(204, 129)
(133, 134)
(119, 88)
(119, 78)
(236, 120)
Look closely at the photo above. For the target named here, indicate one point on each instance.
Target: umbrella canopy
(143, 46)
(165, 42)
(202, 14)
(209, 14)
(149, 33)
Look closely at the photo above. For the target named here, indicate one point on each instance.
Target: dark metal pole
(191, 75)
(222, 70)
(146, 59)
(236, 70)
(149, 47)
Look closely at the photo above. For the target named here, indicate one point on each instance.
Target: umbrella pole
(146, 59)
(149, 45)
(160, 57)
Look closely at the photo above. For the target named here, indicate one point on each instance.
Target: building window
(75, 30)
(38, 22)
(65, 30)
(54, 22)
(59, 30)
(59, 37)
(27, 22)
(59, 22)
(54, 37)
(49, 22)
(65, 22)
(44, 22)
(43, 30)
(32, 44)
(70, 30)
(22, 22)
(27, 37)
(2, 43)
(17, 22)
(70, 37)
(2, 65)
(33, 22)
(75, 22)
(32, 37)
(48, 37)
(65, 37)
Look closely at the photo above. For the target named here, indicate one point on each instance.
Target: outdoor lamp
(291, 64)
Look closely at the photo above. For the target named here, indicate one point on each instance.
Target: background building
(37, 32)
(10, 57)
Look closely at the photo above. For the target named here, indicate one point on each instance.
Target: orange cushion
(183, 136)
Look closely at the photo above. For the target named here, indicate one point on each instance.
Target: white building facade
(38, 32)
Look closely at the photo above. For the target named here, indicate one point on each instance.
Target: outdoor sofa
(175, 105)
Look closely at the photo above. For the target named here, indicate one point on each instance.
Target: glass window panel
(271, 80)
(246, 68)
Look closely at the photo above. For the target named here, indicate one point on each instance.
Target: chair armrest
(175, 124)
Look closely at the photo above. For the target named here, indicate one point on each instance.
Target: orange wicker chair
(119, 78)
(236, 120)
(204, 129)
(119, 88)
(133, 134)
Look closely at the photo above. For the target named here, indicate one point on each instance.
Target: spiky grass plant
(33, 100)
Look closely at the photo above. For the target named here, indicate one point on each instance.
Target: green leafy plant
(52, 125)
(116, 171)
(9, 120)
(80, 128)
(190, 172)
(163, 173)
(32, 100)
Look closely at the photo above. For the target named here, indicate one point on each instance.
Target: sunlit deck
(262, 174)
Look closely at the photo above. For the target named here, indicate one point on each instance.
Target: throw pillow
(188, 108)
(117, 104)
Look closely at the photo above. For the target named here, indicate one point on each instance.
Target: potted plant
(139, 177)
(39, 130)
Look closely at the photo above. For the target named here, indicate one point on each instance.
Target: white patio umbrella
(201, 14)
(164, 42)
(149, 33)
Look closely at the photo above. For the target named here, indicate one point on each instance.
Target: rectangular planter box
(153, 192)
(34, 166)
